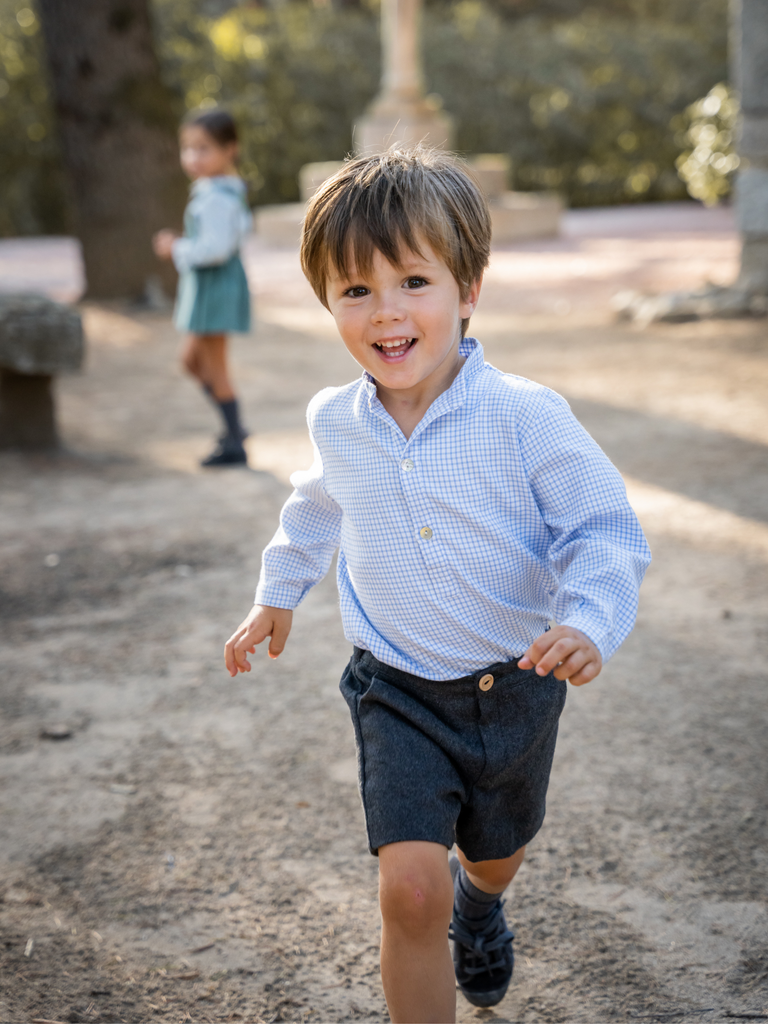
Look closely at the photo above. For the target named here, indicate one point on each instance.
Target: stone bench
(39, 339)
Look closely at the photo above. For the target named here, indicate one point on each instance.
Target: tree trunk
(118, 129)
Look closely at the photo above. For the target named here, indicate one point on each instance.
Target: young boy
(469, 508)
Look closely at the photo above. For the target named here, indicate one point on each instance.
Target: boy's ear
(470, 300)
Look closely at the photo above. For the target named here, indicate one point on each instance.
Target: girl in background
(212, 297)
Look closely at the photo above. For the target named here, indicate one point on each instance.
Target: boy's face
(403, 324)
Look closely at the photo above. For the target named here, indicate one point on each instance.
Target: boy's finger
(585, 674)
(538, 649)
(246, 644)
(557, 652)
(279, 635)
(572, 665)
(229, 654)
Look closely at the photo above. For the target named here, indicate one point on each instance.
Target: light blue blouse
(216, 221)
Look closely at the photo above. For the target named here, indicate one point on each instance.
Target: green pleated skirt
(213, 300)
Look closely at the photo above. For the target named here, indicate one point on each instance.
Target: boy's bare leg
(416, 898)
(493, 875)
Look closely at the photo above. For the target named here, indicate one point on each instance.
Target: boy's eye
(415, 282)
(357, 292)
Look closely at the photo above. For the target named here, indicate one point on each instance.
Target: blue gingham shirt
(458, 544)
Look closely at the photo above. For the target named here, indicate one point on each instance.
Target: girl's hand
(260, 623)
(162, 243)
(568, 652)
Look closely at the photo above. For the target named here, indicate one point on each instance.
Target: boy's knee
(416, 896)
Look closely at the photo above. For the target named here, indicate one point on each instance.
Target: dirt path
(193, 849)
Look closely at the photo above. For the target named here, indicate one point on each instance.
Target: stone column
(750, 61)
(400, 114)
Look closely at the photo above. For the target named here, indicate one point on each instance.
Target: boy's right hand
(260, 623)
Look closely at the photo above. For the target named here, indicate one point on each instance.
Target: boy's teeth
(394, 344)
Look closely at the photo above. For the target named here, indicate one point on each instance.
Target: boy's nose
(388, 309)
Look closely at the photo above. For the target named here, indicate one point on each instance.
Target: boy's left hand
(568, 652)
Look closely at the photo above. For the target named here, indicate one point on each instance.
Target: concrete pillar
(400, 114)
(750, 64)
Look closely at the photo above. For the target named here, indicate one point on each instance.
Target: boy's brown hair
(390, 203)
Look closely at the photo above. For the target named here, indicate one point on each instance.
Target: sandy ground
(191, 848)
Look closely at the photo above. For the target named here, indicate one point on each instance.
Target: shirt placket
(413, 457)
(426, 531)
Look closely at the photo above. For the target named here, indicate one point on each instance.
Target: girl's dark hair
(217, 123)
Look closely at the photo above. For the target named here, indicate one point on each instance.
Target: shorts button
(486, 682)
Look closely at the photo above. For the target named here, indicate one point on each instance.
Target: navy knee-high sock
(230, 414)
(472, 903)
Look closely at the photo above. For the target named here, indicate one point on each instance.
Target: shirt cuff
(279, 595)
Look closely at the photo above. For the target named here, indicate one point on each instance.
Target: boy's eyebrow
(415, 262)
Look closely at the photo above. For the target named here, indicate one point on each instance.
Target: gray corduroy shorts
(464, 760)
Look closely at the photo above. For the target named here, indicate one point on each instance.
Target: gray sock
(472, 903)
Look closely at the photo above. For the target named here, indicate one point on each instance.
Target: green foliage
(294, 77)
(584, 95)
(583, 105)
(707, 168)
(32, 199)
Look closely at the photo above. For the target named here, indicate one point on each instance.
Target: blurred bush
(585, 95)
(295, 77)
(709, 126)
(586, 104)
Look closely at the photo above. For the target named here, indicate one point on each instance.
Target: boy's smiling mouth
(392, 348)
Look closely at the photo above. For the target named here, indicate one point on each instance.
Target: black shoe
(483, 960)
(228, 452)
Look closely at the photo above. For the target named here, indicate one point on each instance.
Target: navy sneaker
(483, 960)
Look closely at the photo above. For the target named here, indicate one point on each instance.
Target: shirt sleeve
(220, 219)
(598, 551)
(300, 553)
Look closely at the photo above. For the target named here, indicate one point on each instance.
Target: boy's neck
(408, 407)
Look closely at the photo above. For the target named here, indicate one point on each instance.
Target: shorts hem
(497, 851)
(409, 837)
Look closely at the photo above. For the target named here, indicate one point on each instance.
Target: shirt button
(408, 465)
(425, 533)
(486, 682)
